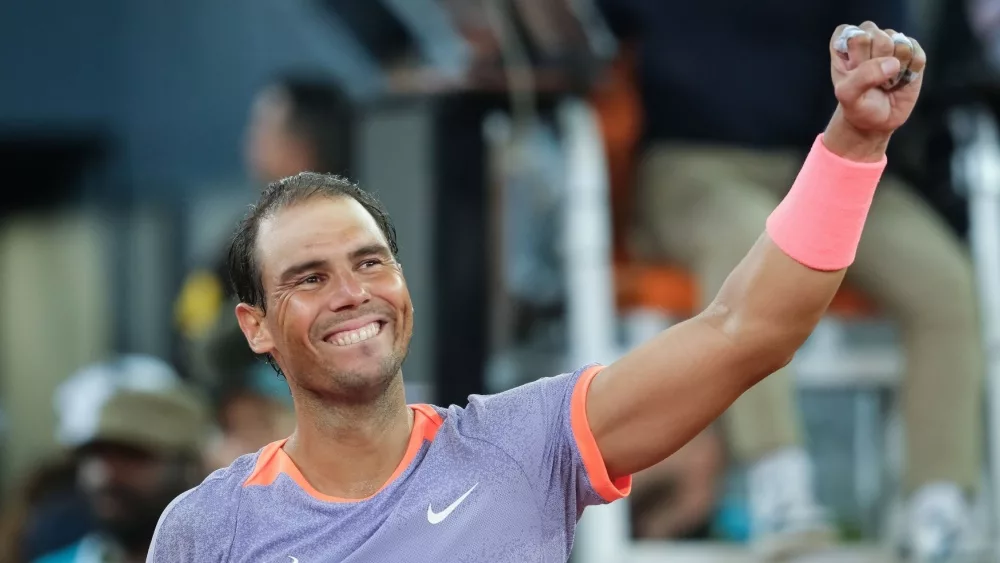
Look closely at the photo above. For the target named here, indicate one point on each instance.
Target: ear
(251, 321)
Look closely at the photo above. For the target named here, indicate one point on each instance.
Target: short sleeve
(543, 426)
(199, 525)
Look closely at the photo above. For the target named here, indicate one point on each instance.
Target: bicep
(643, 409)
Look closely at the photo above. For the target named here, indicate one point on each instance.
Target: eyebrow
(301, 268)
(320, 264)
(375, 249)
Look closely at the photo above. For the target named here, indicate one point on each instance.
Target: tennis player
(367, 478)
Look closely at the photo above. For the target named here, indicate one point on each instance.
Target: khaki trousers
(704, 206)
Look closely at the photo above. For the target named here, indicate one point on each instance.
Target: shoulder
(548, 397)
(207, 512)
(536, 412)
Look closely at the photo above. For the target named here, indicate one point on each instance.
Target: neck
(350, 450)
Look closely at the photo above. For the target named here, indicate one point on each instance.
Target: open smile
(348, 336)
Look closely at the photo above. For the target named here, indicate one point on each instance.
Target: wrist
(847, 141)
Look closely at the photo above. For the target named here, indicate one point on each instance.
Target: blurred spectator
(136, 433)
(297, 122)
(45, 512)
(677, 498)
(250, 416)
(734, 94)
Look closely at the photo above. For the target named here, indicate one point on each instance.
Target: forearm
(687, 376)
(772, 301)
(767, 308)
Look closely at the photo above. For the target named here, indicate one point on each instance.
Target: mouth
(350, 335)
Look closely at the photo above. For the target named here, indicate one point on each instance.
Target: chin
(363, 381)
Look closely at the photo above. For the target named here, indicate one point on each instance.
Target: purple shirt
(503, 480)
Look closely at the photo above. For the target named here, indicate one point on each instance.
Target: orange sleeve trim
(609, 490)
(273, 460)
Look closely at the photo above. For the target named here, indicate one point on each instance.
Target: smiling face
(338, 315)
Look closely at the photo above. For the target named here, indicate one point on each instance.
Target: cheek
(295, 316)
(393, 289)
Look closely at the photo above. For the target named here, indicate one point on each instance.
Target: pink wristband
(819, 222)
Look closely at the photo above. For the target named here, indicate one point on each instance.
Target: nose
(348, 292)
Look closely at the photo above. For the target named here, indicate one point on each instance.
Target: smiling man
(365, 477)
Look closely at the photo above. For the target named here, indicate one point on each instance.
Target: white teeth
(357, 335)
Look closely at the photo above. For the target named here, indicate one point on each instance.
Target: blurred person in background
(136, 433)
(715, 165)
(45, 512)
(677, 498)
(250, 414)
(297, 122)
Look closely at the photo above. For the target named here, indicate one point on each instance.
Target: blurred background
(567, 177)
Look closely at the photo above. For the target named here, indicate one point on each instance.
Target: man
(367, 478)
(712, 169)
(136, 432)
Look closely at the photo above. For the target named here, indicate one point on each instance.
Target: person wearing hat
(137, 432)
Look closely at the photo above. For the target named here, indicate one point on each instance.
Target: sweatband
(819, 222)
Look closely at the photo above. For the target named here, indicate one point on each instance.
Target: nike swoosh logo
(438, 517)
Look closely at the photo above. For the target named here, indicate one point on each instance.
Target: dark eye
(310, 279)
(370, 262)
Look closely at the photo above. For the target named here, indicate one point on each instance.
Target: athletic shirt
(504, 479)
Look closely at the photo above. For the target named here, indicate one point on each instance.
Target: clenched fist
(876, 77)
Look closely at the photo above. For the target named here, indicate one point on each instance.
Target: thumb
(868, 75)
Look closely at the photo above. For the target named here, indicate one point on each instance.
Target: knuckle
(882, 46)
(862, 40)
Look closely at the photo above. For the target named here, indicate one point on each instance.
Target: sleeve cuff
(593, 462)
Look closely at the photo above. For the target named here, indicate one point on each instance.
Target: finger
(870, 74)
(904, 52)
(838, 42)
(902, 48)
(919, 60)
(852, 44)
(882, 45)
(917, 65)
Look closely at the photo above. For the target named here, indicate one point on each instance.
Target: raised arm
(648, 404)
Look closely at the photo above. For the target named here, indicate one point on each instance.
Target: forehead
(318, 228)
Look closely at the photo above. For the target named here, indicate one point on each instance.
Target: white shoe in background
(785, 519)
(939, 527)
